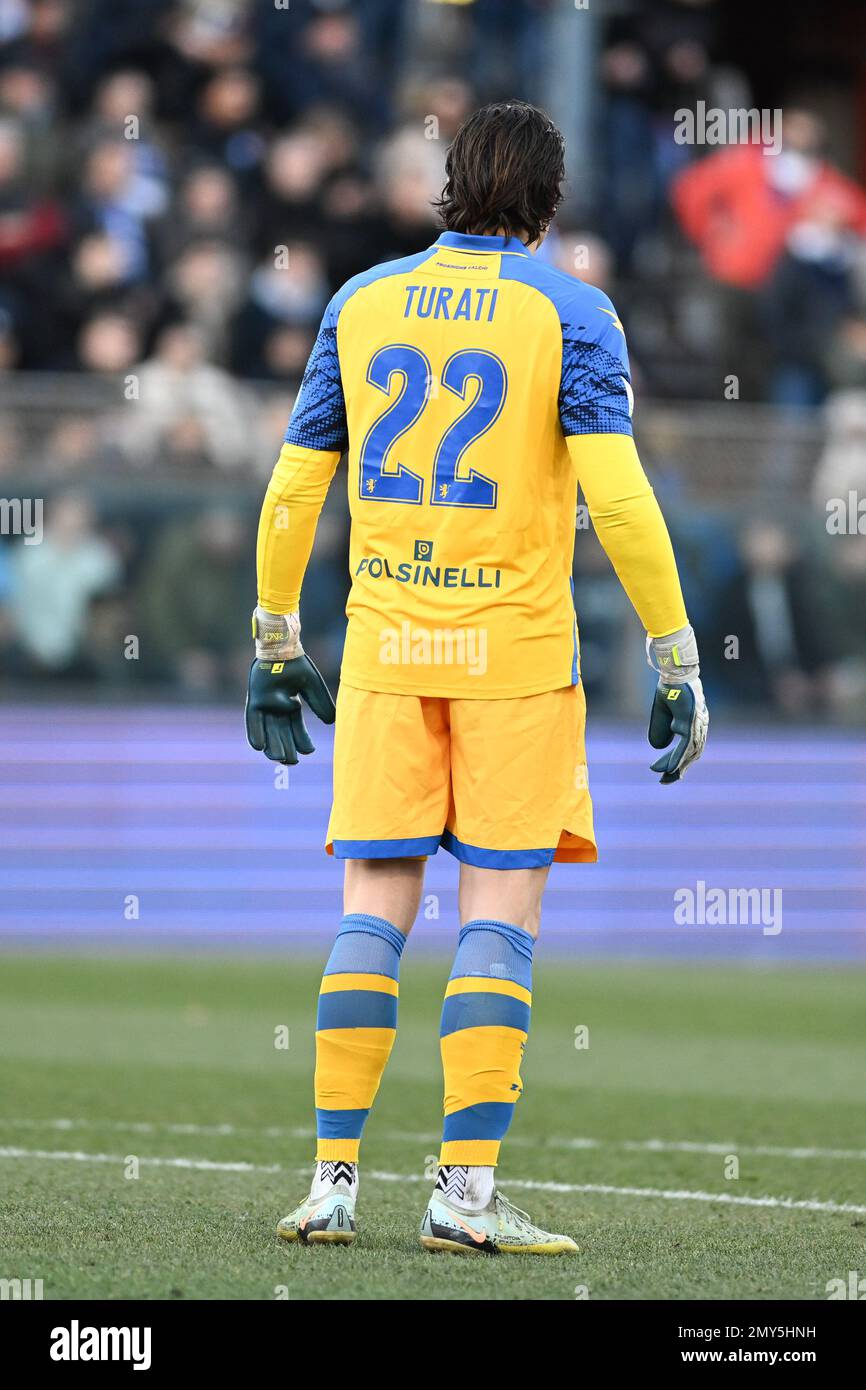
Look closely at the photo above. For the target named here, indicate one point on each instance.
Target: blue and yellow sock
(485, 1023)
(355, 1030)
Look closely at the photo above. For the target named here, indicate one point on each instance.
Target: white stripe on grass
(693, 1147)
(163, 1127)
(433, 1137)
(528, 1184)
(78, 1156)
(666, 1194)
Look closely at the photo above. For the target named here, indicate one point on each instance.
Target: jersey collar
(461, 241)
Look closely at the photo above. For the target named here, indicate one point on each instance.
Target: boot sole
(318, 1237)
(437, 1245)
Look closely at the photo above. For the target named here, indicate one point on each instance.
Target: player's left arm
(595, 411)
(282, 674)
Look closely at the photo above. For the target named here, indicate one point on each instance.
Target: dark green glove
(679, 712)
(679, 708)
(274, 716)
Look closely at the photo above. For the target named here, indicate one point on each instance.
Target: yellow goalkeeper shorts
(498, 783)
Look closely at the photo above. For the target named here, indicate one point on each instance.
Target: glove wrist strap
(277, 635)
(674, 657)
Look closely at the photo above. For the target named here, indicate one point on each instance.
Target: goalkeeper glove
(280, 677)
(679, 707)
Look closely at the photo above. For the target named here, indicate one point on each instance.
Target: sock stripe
(339, 1124)
(343, 1149)
(481, 1064)
(482, 1153)
(485, 984)
(356, 1008)
(461, 1011)
(489, 1120)
(383, 984)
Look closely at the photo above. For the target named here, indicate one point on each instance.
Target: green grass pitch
(154, 1061)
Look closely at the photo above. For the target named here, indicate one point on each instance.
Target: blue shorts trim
(385, 849)
(428, 844)
(496, 858)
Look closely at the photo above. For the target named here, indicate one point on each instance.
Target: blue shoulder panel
(319, 415)
(318, 418)
(595, 387)
(378, 272)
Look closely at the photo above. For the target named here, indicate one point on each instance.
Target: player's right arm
(282, 674)
(595, 412)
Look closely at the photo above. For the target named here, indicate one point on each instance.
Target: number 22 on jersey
(453, 481)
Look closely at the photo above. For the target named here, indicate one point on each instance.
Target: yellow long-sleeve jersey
(475, 388)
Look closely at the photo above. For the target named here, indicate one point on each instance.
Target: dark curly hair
(505, 170)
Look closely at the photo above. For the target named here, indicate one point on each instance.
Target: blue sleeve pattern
(593, 398)
(319, 417)
(595, 386)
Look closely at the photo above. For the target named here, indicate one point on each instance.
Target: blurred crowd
(777, 602)
(183, 184)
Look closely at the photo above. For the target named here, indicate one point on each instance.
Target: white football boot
(498, 1229)
(325, 1220)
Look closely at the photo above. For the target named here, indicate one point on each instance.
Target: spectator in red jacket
(30, 223)
(738, 204)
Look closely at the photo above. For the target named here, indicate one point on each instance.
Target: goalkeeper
(475, 390)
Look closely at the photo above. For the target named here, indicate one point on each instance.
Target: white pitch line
(692, 1147)
(667, 1194)
(77, 1156)
(529, 1184)
(163, 1127)
(432, 1137)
